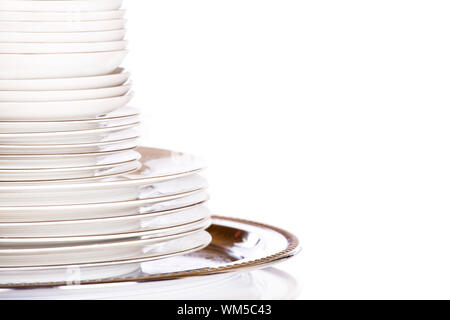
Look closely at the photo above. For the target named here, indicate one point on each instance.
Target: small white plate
(114, 225)
(59, 37)
(66, 160)
(129, 116)
(62, 26)
(141, 232)
(127, 141)
(63, 95)
(60, 5)
(42, 175)
(97, 253)
(59, 65)
(69, 47)
(71, 137)
(51, 213)
(61, 110)
(61, 16)
(116, 78)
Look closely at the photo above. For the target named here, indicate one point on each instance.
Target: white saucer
(52, 213)
(59, 5)
(63, 37)
(66, 174)
(61, 110)
(127, 141)
(104, 226)
(115, 78)
(61, 16)
(62, 26)
(67, 137)
(58, 65)
(63, 95)
(18, 162)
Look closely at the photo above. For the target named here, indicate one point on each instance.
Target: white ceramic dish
(42, 175)
(61, 110)
(116, 78)
(113, 225)
(59, 65)
(69, 47)
(101, 252)
(129, 116)
(51, 242)
(63, 95)
(86, 195)
(141, 232)
(60, 6)
(107, 269)
(18, 162)
(67, 137)
(62, 26)
(61, 16)
(60, 37)
(54, 213)
(129, 140)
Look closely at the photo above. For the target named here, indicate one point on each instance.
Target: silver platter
(237, 246)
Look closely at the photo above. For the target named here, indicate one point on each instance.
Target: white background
(328, 118)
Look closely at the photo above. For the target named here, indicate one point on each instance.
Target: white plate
(60, 37)
(97, 253)
(76, 196)
(61, 110)
(69, 47)
(61, 16)
(51, 213)
(68, 137)
(129, 140)
(129, 116)
(141, 232)
(59, 65)
(116, 78)
(42, 175)
(66, 160)
(63, 95)
(108, 269)
(60, 6)
(62, 26)
(114, 225)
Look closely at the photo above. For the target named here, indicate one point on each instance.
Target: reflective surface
(265, 284)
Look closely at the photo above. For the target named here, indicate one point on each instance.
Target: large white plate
(26, 175)
(59, 65)
(72, 274)
(114, 193)
(115, 78)
(60, 6)
(62, 26)
(61, 16)
(27, 242)
(51, 213)
(66, 160)
(127, 116)
(97, 253)
(63, 95)
(129, 139)
(58, 37)
(61, 110)
(69, 47)
(105, 226)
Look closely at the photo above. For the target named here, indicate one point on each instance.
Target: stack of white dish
(74, 190)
